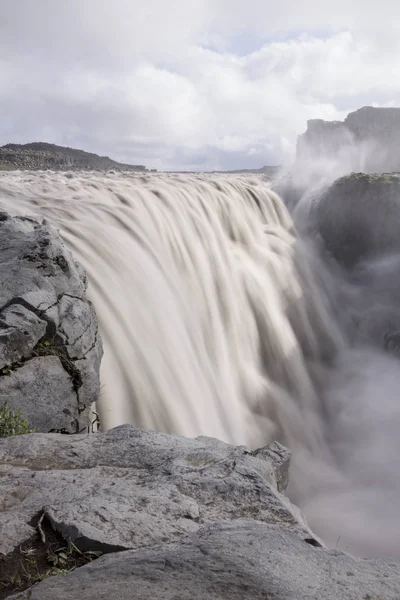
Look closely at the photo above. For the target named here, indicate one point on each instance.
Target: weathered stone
(192, 519)
(75, 318)
(227, 561)
(35, 267)
(44, 390)
(50, 350)
(20, 331)
(130, 488)
(279, 457)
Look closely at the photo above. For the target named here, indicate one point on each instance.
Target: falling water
(218, 320)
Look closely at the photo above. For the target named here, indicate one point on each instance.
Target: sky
(191, 84)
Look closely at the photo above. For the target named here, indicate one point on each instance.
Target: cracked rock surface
(131, 488)
(176, 518)
(50, 349)
(234, 560)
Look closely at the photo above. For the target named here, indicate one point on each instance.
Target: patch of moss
(12, 422)
(40, 557)
(370, 178)
(4, 166)
(8, 369)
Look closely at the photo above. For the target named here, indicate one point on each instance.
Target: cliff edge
(367, 140)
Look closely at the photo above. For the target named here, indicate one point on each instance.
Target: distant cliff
(367, 140)
(43, 156)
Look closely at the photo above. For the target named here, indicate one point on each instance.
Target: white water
(218, 321)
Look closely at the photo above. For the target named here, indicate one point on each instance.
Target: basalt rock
(50, 349)
(367, 140)
(175, 518)
(358, 217)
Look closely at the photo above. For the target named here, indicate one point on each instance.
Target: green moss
(12, 423)
(370, 178)
(47, 347)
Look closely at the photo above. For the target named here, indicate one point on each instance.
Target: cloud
(197, 84)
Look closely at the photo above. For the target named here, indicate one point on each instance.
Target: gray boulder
(130, 488)
(50, 349)
(358, 217)
(175, 518)
(227, 561)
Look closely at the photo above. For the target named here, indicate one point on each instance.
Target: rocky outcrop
(367, 140)
(323, 138)
(50, 349)
(130, 488)
(43, 156)
(174, 517)
(358, 217)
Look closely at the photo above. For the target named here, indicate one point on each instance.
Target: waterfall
(219, 320)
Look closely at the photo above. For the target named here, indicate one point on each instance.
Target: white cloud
(196, 84)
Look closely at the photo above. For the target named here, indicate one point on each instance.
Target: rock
(367, 140)
(228, 561)
(43, 156)
(358, 217)
(50, 349)
(149, 487)
(279, 457)
(323, 139)
(20, 331)
(175, 518)
(45, 391)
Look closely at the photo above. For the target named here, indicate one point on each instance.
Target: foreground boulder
(50, 349)
(236, 560)
(175, 518)
(130, 488)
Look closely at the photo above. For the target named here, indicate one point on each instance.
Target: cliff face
(367, 140)
(43, 156)
(323, 137)
(50, 349)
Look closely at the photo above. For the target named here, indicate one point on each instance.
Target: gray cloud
(195, 84)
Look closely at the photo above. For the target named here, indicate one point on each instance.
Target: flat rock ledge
(175, 518)
(50, 348)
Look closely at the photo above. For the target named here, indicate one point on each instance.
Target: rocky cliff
(358, 217)
(50, 349)
(367, 140)
(43, 156)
